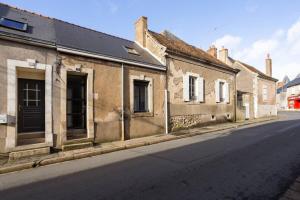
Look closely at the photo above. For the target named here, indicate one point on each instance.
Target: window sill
(194, 102)
(142, 114)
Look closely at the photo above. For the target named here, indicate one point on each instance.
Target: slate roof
(40, 28)
(294, 82)
(282, 89)
(76, 37)
(180, 47)
(64, 34)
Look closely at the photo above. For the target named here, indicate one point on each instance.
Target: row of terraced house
(62, 84)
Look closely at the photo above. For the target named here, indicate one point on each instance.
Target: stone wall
(187, 114)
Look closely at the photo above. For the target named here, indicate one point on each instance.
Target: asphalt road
(249, 163)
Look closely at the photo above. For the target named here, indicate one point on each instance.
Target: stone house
(256, 91)
(63, 85)
(201, 88)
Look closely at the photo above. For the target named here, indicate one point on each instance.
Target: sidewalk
(7, 165)
(293, 193)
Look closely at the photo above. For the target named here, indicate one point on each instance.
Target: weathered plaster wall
(245, 84)
(186, 114)
(155, 48)
(144, 124)
(244, 79)
(17, 51)
(107, 99)
(266, 107)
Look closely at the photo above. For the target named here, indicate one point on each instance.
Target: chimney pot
(223, 55)
(269, 65)
(213, 51)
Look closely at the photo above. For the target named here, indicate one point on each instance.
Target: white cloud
(229, 41)
(283, 45)
(294, 32)
(257, 50)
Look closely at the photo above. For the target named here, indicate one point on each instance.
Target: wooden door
(31, 105)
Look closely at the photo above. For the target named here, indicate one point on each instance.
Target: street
(255, 162)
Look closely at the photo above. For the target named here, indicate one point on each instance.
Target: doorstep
(16, 155)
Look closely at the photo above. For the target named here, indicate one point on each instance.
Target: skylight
(131, 50)
(9, 23)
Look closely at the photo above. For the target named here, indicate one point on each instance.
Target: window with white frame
(193, 87)
(222, 91)
(265, 93)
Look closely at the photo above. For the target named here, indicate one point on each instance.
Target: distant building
(256, 91)
(293, 94)
(281, 94)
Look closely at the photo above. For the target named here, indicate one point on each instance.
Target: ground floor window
(192, 87)
(222, 91)
(76, 102)
(141, 96)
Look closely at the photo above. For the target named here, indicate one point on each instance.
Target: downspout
(166, 111)
(166, 101)
(235, 99)
(122, 103)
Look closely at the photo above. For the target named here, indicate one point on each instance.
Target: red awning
(294, 98)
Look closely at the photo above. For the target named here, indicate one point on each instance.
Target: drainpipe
(122, 103)
(235, 98)
(166, 100)
(166, 111)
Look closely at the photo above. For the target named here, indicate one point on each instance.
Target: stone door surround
(12, 68)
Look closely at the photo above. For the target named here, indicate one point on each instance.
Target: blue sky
(249, 28)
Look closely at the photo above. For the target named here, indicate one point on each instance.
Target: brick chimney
(269, 65)
(141, 26)
(223, 55)
(213, 51)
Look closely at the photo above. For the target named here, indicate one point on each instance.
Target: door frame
(79, 130)
(13, 66)
(89, 73)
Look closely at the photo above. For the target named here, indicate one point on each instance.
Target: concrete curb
(17, 167)
(98, 151)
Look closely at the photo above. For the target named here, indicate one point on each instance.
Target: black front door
(31, 105)
(76, 103)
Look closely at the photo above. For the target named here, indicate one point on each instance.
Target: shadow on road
(253, 163)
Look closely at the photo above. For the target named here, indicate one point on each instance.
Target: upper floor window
(9, 23)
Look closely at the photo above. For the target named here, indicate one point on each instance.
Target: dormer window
(12, 24)
(131, 50)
